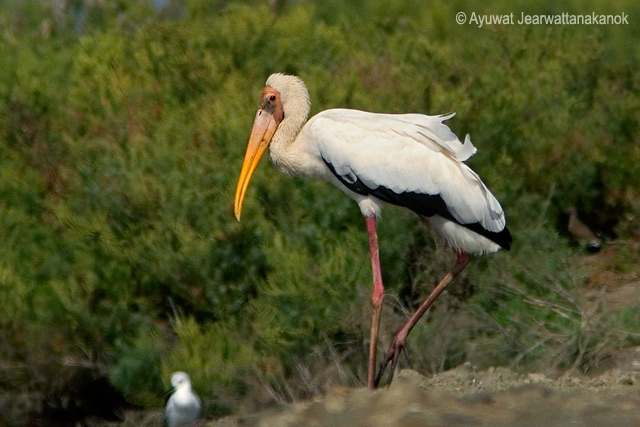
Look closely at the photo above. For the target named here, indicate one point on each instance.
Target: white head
(293, 93)
(179, 378)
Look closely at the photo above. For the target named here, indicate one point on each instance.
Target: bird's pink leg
(376, 299)
(462, 259)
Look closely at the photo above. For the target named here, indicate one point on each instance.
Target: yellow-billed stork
(409, 160)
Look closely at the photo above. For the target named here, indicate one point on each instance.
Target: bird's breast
(298, 157)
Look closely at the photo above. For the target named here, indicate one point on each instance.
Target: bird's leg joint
(393, 353)
(462, 259)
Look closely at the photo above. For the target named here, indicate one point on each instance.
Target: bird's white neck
(296, 104)
(289, 129)
(184, 395)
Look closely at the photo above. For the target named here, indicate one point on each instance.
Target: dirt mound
(467, 397)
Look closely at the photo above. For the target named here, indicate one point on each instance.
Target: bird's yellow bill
(264, 126)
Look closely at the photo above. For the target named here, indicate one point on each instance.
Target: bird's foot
(393, 353)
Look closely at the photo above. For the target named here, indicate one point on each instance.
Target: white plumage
(410, 160)
(408, 153)
(183, 406)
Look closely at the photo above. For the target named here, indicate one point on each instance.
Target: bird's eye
(272, 98)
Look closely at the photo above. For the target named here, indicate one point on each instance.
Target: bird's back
(429, 131)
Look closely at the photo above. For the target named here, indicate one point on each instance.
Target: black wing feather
(422, 204)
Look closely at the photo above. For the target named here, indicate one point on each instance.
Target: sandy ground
(465, 396)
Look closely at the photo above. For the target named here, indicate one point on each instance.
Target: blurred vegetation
(122, 130)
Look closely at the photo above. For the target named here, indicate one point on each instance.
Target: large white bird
(183, 406)
(409, 160)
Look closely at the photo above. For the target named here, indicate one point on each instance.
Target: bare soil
(465, 396)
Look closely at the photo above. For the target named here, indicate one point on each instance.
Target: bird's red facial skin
(270, 101)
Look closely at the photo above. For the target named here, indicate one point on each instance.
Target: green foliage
(122, 133)
(216, 356)
(137, 372)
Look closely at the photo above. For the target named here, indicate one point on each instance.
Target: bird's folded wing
(406, 155)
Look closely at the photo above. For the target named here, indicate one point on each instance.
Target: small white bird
(183, 406)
